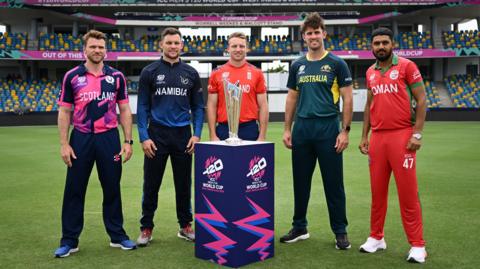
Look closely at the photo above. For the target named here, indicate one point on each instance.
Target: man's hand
(342, 142)
(363, 147)
(287, 139)
(191, 144)
(126, 152)
(67, 154)
(414, 144)
(149, 148)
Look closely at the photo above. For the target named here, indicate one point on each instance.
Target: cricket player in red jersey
(395, 111)
(254, 105)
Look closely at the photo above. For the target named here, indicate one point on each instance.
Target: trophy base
(233, 141)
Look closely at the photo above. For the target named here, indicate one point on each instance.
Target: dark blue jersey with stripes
(170, 95)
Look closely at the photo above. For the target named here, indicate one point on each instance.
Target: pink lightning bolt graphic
(249, 224)
(215, 219)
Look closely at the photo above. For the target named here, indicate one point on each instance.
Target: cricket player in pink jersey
(395, 112)
(93, 89)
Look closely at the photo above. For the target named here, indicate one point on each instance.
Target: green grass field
(32, 178)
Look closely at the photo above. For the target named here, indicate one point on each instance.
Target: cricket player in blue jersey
(170, 98)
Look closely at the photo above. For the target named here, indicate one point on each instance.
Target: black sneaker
(294, 235)
(341, 242)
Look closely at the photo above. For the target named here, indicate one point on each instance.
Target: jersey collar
(394, 62)
(321, 58)
(170, 64)
(107, 70)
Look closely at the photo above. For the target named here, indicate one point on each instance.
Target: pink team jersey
(94, 98)
(393, 103)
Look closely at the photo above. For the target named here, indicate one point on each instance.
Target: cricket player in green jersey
(316, 82)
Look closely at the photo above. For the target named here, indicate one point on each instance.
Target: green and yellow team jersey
(318, 84)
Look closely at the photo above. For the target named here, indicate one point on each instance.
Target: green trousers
(314, 140)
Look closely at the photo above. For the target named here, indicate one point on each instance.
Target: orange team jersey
(250, 80)
(393, 105)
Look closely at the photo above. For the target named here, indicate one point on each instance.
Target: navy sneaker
(295, 235)
(341, 242)
(64, 251)
(125, 245)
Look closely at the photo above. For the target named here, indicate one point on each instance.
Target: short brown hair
(93, 34)
(170, 31)
(237, 35)
(313, 20)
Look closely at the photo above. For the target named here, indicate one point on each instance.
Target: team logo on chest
(394, 74)
(109, 79)
(372, 77)
(326, 68)
(249, 75)
(184, 80)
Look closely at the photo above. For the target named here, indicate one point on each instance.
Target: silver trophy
(233, 102)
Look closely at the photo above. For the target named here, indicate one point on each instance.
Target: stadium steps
(445, 100)
(438, 42)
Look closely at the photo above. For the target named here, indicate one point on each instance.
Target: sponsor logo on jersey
(313, 78)
(110, 79)
(256, 171)
(385, 88)
(81, 81)
(301, 70)
(225, 74)
(372, 77)
(394, 74)
(160, 79)
(249, 75)
(326, 68)
(416, 75)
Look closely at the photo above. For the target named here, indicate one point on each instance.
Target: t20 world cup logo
(213, 168)
(257, 167)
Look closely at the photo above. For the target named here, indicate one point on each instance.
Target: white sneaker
(372, 245)
(417, 254)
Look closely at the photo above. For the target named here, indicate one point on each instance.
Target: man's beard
(93, 60)
(383, 58)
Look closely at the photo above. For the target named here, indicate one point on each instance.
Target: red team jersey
(251, 81)
(393, 103)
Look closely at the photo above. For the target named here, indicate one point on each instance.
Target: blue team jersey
(170, 95)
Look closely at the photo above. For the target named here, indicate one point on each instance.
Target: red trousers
(388, 152)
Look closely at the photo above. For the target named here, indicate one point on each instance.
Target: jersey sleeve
(261, 87)
(197, 106)
(344, 77)
(65, 97)
(143, 105)
(292, 76)
(212, 83)
(367, 78)
(413, 75)
(122, 94)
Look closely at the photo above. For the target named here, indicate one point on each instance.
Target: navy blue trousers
(314, 140)
(246, 130)
(101, 149)
(170, 141)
